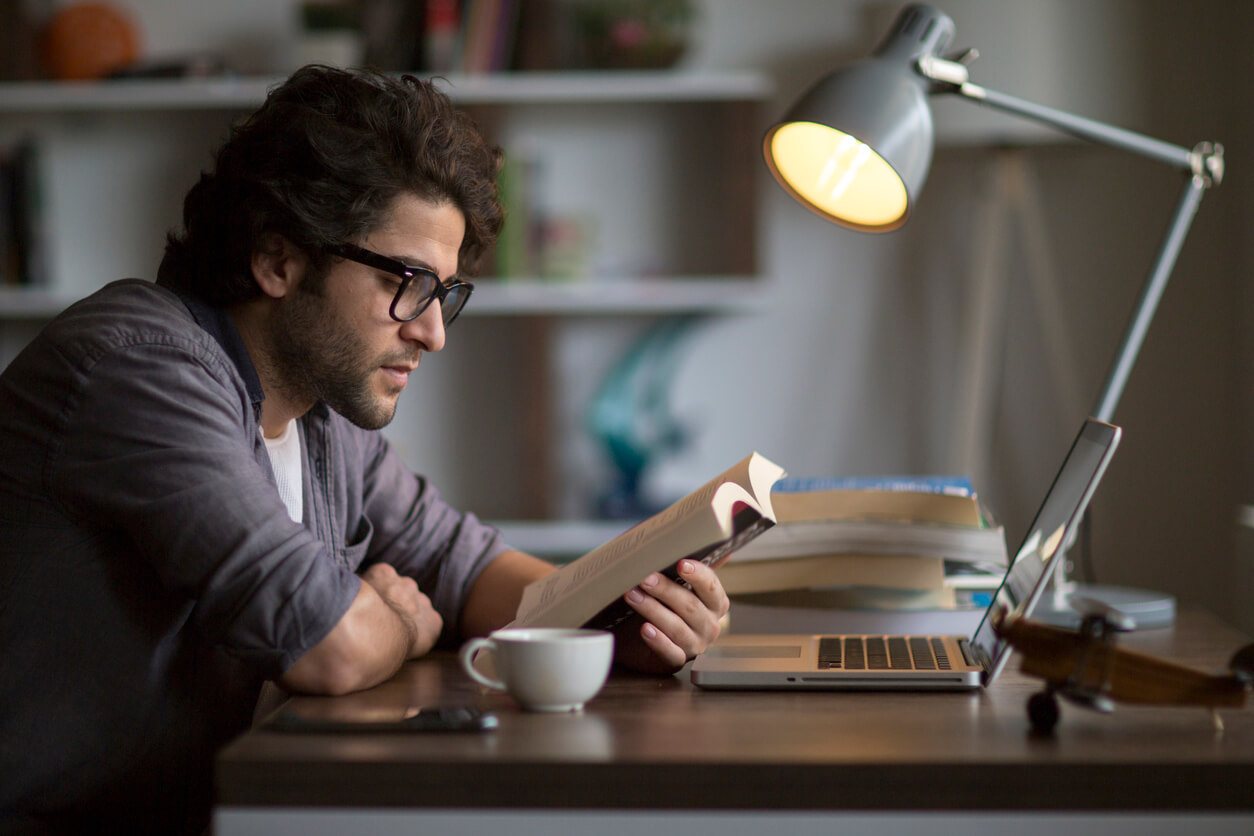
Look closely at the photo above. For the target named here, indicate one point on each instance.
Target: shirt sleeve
(156, 452)
(423, 536)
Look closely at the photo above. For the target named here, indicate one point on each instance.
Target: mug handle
(467, 656)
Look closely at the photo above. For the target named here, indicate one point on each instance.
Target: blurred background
(658, 308)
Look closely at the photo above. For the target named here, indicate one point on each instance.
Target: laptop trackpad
(756, 651)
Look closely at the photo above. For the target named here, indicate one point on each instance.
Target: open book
(707, 525)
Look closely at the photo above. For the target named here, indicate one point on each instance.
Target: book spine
(440, 35)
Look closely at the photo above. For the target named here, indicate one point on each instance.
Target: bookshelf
(664, 163)
(77, 125)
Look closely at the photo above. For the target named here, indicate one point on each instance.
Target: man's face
(336, 341)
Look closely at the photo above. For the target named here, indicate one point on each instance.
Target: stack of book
(895, 543)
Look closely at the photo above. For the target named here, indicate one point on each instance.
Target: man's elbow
(327, 674)
(363, 649)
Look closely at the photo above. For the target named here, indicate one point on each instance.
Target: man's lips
(399, 374)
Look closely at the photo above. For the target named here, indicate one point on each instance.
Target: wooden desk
(664, 749)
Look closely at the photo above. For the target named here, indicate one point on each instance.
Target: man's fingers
(685, 621)
(399, 588)
(670, 613)
(662, 646)
(379, 574)
(705, 583)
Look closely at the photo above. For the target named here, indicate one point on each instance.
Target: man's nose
(426, 328)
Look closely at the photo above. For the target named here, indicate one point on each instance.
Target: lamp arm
(1205, 164)
(1082, 127)
(1205, 159)
(1151, 293)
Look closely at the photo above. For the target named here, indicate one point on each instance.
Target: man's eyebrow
(420, 264)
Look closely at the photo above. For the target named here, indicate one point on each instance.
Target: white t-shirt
(285, 458)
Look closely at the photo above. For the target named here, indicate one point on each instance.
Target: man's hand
(413, 608)
(679, 623)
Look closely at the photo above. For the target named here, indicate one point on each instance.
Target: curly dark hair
(321, 163)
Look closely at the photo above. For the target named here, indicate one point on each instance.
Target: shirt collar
(218, 324)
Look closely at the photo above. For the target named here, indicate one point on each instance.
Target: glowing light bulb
(837, 175)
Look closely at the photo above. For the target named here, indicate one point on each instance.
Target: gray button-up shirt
(150, 577)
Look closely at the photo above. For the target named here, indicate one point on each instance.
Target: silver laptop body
(910, 662)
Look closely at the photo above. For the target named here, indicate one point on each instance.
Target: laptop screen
(1049, 536)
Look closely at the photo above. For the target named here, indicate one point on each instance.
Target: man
(194, 497)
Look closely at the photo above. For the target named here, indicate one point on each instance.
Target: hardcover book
(937, 499)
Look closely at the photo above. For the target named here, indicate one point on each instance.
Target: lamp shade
(857, 146)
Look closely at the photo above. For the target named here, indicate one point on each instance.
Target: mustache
(407, 358)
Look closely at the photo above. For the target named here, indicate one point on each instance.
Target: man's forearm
(367, 646)
(495, 594)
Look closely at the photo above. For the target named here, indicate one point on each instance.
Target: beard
(315, 356)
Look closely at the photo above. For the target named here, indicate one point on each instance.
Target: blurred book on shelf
(23, 257)
(495, 36)
(472, 36)
(19, 39)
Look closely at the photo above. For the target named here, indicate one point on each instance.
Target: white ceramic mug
(544, 668)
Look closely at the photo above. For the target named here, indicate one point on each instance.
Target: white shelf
(245, 93)
(33, 302)
(610, 297)
(493, 297)
(584, 87)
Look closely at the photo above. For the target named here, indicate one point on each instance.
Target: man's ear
(277, 265)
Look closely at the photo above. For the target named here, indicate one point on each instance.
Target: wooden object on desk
(649, 744)
(1061, 656)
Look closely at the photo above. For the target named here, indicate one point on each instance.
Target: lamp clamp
(946, 71)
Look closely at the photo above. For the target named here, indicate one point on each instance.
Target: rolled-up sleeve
(420, 534)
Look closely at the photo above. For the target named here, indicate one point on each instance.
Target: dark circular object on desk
(1043, 712)
(1242, 664)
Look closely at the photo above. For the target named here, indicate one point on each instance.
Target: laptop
(923, 662)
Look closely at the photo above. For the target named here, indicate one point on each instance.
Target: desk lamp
(855, 149)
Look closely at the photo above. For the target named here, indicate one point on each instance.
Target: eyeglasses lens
(454, 301)
(417, 294)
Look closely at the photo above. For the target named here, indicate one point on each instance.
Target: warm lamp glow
(837, 176)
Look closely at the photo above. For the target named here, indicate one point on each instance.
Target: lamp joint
(1207, 161)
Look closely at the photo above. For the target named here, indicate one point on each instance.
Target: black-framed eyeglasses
(417, 288)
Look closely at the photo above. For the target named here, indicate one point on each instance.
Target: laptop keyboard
(883, 653)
